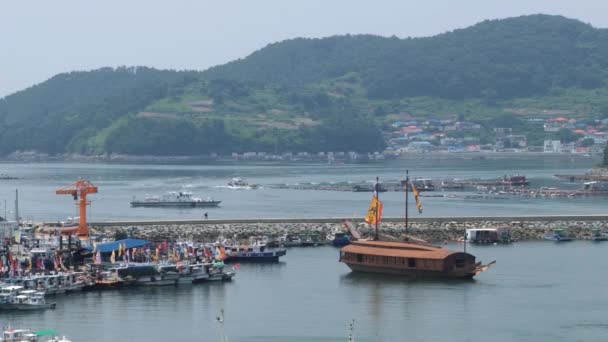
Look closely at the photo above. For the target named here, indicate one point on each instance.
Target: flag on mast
(374, 213)
(418, 203)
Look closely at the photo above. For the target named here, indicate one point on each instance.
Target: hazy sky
(42, 38)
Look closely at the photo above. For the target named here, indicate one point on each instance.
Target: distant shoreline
(313, 158)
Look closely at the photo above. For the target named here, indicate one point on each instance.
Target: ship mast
(377, 191)
(407, 190)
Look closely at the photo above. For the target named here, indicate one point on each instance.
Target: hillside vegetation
(330, 94)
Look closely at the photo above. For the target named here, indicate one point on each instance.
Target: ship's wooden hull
(412, 273)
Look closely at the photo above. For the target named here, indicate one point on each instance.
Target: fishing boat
(311, 239)
(26, 335)
(8, 294)
(146, 274)
(411, 259)
(181, 199)
(558, 235)
(239, 183)
(191, 273)
(259, 252)
(598, 235)
(29, 300)
(488, 235)
(291, 240)
(108, 280)
(340, 239)
(217, 273)
(424, 184)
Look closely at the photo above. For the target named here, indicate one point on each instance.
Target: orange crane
(80, 189)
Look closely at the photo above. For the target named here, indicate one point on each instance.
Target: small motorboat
(239, 183)
(558, 235)
(256, 252)
(340, 239)
(29, 300)
(217, 273)
(598, 235)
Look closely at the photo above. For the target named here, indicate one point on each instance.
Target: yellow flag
(374, 213)
(119, 249)
(29, 266)
(418, 203)
(112, 257)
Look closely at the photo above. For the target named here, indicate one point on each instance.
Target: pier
(428, 228)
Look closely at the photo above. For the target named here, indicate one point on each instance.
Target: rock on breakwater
(429, 229)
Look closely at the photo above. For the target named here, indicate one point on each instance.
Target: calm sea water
(119, 183)
(540, 291)
(537, 291)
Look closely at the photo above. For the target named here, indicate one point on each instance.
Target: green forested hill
(330, 94)
(506, 58)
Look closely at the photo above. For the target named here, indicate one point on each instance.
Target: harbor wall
(435, 229)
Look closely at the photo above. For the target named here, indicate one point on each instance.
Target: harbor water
(537, 291)
(119, 183)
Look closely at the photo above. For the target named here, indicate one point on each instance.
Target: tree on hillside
(567, 136)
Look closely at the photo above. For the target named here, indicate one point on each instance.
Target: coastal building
(552, 146)
(420, 146)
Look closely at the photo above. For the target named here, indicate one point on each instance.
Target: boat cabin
(407, 259)
(489, 235)
(18, 335)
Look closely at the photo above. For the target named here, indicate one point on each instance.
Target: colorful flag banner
(418, 203)
(374, 213)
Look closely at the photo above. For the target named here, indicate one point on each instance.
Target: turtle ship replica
(411, 258)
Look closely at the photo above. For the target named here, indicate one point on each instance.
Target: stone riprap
(439, 230)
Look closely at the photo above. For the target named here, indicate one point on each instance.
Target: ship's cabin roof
(398, 249)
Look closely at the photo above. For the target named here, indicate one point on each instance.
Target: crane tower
(79, 190)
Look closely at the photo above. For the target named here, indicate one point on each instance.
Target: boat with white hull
(181, 199)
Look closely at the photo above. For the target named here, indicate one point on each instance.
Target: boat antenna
(377, 193)
(351, 337)
(220, 320)
(407, 190)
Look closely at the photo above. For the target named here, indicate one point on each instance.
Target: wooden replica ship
(407, 258)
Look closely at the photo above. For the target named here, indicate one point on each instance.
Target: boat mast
(377, 191)
(351, 337)
(464, 242)
(17, 206)
(220, 320)
(407, 190)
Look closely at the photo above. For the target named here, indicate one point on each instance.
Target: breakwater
(432, 229)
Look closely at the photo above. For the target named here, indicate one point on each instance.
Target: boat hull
(28, 307)
(272, 256)
(412, 273)
(204, 204)
(155, 281)
(220, 276)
